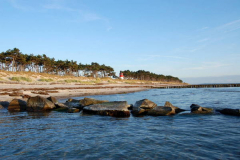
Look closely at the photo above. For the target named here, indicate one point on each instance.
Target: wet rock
(73, 105)
(228, 111)
(4, 104)
(53, 100)
(72, 100)
(175, 109)
(35, 104)
(17, 105)
(61, 105)
(61, 109)
(200, 110)
(141, 107)
(90, 101)
(1, 107)
(130, 107)
(166, 110)
(115, 109)
(160, 111)
(73, 110)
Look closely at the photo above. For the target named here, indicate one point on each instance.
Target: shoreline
(9, 92)
(22, 85)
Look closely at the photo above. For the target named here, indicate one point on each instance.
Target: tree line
(14, 60)
(146, 75)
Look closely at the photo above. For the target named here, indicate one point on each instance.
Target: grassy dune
(38, 78)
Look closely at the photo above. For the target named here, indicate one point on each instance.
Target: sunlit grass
(51, 78)
(19, 79)
(46, 80)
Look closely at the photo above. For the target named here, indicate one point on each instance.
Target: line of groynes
(200, 86)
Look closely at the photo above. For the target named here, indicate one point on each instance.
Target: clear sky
(183, 38)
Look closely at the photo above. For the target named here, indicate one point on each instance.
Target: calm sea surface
(57, 135)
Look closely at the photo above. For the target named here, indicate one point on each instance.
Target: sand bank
(11, 91)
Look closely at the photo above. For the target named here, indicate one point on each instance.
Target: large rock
(166, 110)
(72, 100)
(38, 103)
(53, 100)
(200, 110)
(160, 111)
(228, 111)
(90, 101)
(71, 105)
(73, 110)
(115, 109)
(17, 105)
(4, 104)
(175, 109)
(141, 107)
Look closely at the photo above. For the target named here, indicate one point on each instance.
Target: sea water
(57, 135)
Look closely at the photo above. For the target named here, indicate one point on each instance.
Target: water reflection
(37, 115)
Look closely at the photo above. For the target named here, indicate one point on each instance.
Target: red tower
(121, 75)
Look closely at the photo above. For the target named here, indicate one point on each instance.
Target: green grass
(109, 81)
(19, 79)
(78, 81)
(46, 80)
(71, 81)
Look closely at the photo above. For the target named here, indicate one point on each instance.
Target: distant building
(121, 75)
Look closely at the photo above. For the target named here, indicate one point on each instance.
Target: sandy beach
(28, 84)
(11, 91)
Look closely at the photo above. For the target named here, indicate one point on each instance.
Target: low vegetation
(45, 80)
(19, 79)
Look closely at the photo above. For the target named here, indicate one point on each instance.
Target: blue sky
(183, 38)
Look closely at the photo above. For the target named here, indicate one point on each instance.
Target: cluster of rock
(114, 108)
(147, 107)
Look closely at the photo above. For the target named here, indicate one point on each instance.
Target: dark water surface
(57, 135)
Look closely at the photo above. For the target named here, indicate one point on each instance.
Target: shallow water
(57, 135)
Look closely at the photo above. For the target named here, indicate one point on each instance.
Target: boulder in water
(72, 100)
(141, 107)
(90, 101)
(174, 108)
(53, 100)
(17, 105)
(228, 111)
(4, 104)
(115, 109)
(166, 110)
(73, 110)
(160, 111)
(38, 103)
(200, 110)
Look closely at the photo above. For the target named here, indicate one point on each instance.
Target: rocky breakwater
(196, 109)
(17, 105)
(114, 108)
(38, 103)
(103, 107)
(73, 105)
(229, 111)
(147, 107)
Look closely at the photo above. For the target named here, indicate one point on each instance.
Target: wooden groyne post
(200, 86)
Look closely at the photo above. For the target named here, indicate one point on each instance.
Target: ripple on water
(57, 135)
